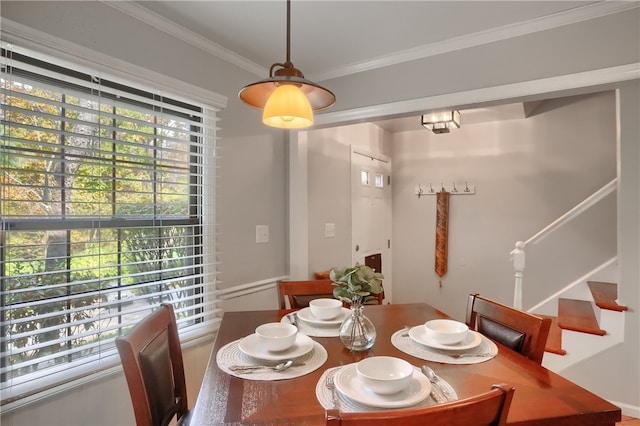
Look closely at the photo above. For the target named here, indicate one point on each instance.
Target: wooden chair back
(152, 360)
(521, 331)
(323, 275)
(299, 293)
(487, 409)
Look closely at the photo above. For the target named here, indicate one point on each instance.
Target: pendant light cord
(287, 65)
(288, 31)
(259, 93)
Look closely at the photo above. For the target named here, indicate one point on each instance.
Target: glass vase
(357, 332)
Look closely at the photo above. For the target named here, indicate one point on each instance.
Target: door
(371, 212)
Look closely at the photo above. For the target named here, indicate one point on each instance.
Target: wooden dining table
(541, 397)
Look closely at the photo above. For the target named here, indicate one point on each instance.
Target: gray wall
(251, 188)
(329, 178)
(598, 43)
(527, 173)
(627, 355)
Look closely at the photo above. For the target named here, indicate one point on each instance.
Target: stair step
(605, 295)
(554, 341)
(578, 315)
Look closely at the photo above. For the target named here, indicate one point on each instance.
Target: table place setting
(378, 383)
(322, 318)
(276, 351)
(228, 397)
(445, 341)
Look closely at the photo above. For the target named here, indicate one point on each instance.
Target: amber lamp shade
(286, 97)
(287, 108)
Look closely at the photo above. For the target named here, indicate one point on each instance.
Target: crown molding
(579, 14)
(32, 39)
(576, 81)
(573, 16)
(163, 24)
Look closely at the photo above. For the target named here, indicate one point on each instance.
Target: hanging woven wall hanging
(442, 221)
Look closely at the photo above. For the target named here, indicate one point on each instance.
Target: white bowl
(325, 308)
(445, 331)
(384, 374)
(276, 336)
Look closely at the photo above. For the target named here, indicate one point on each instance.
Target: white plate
(348, 383)
(419, 334)
(305, 315)
(250, 346)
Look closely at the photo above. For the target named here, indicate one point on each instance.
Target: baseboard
(628, 410)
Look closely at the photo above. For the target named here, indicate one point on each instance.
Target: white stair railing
(518, 254)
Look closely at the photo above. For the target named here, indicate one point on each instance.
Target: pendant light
(286, 97)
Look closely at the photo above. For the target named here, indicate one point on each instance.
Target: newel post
(518, 255)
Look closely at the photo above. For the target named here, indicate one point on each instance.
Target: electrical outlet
(262, 233)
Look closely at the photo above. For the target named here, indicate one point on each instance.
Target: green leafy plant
(356, 284)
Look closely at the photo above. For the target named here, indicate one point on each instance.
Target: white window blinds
(107, 210)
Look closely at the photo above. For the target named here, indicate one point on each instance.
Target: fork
(329, 383)
(291, 317)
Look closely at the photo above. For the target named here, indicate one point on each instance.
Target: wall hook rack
(454, 189)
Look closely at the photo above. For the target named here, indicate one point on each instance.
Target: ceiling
(331, 38)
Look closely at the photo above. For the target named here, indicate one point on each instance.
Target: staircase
(579, 315)
(576, 325)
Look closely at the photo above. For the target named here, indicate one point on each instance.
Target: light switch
(262, 233)
(329, 230)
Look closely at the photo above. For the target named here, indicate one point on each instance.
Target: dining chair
(152, 361)
(518, 330)
(487, 409)
(323, 275)
(300, 293)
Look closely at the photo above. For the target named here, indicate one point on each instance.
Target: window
(379, 180)
(364, 177)
(103, 217)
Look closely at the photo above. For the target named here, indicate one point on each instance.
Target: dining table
(541, 396)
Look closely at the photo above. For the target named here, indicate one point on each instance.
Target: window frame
(104, 363)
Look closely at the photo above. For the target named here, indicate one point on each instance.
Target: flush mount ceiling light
(441, 122)
(286, 97)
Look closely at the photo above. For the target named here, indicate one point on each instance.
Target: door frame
(385, 252)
